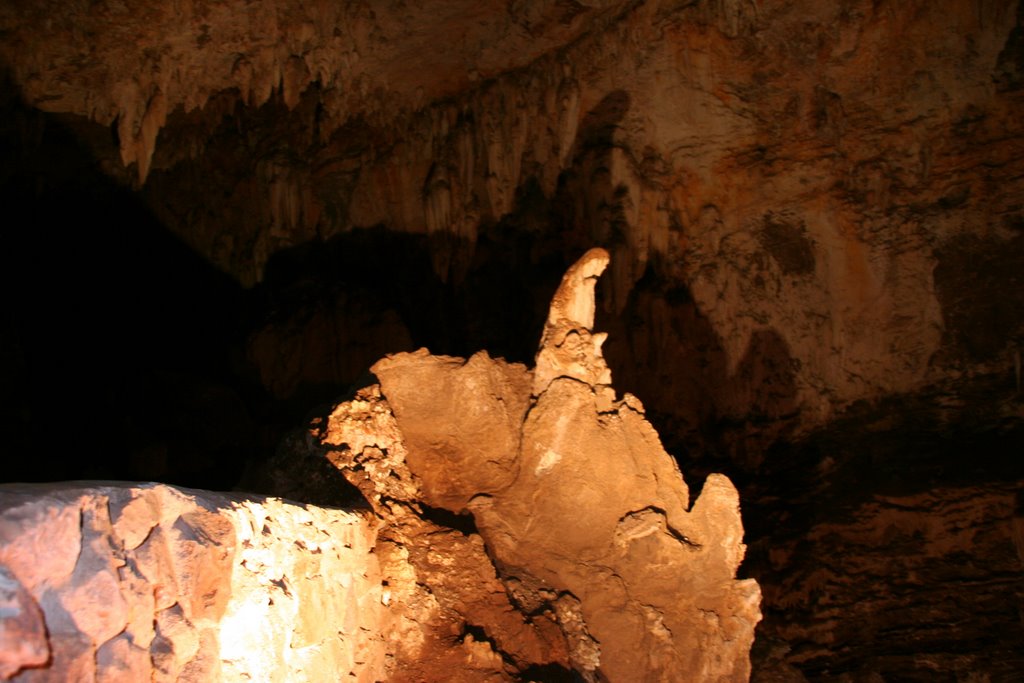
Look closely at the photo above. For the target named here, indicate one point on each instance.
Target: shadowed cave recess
(218, 218)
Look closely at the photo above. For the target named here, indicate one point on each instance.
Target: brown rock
(364, 442)
(816, 182)
(457, 444)
(281, 46)
(121, 658)
(453, 617)
(880, 590)
(583, 513)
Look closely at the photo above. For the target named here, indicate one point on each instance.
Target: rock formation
(150, 582)
(813, 211)
(586, 518)
(585, 553)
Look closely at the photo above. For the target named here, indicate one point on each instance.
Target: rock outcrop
(526, 524)
(151, 582)
(586, 518)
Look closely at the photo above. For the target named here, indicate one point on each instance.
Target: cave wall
(796, 195)
(905, 586)
(813, 212)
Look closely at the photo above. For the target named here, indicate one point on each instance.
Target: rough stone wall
(921, 580)
(800, 170)
(151, 582)
(810, 185)
(888, 545)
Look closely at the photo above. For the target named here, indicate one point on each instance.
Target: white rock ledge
(104, 581)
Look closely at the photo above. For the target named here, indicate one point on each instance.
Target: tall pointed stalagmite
(582, 511)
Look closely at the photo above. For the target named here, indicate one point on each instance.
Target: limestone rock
(456, 443)
(583, 513)
(813, 186)
(151, 582)
(916, 571)
(164, 56)
(568, 348)
(441, 584)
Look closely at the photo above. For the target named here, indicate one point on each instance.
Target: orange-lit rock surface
(151, 582)
(586, 518)
(525, 524)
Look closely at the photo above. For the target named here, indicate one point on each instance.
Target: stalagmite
(582, 552)
(584, 515)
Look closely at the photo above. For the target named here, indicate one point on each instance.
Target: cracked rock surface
(151, 582)
(585, 517)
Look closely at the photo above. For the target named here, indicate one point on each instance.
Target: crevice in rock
(463, 523)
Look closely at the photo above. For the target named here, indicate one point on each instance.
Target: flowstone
(584, 517)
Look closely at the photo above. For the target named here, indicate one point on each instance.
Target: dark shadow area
(116, 338)
(588, 209)
(954, 435)
(495, 308)
(979, 284)
(126, 356)
(826, 520)
(550, 673)
(661, 347)
(331, 309)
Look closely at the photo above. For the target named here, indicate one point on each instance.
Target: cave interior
(816, 222)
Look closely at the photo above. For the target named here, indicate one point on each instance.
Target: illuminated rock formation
(151, 582)
(586, 553)
(584, 515)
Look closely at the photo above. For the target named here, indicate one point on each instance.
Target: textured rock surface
(22, 628)
(812, 184)
(887, 546)
(454, 619)
(810, 205)
(585, 516)
(942, 560)
(164, 55)
(158, 583)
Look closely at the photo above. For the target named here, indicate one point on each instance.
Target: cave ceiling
(807, 204)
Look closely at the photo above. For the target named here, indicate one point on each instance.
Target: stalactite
(701, 125)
